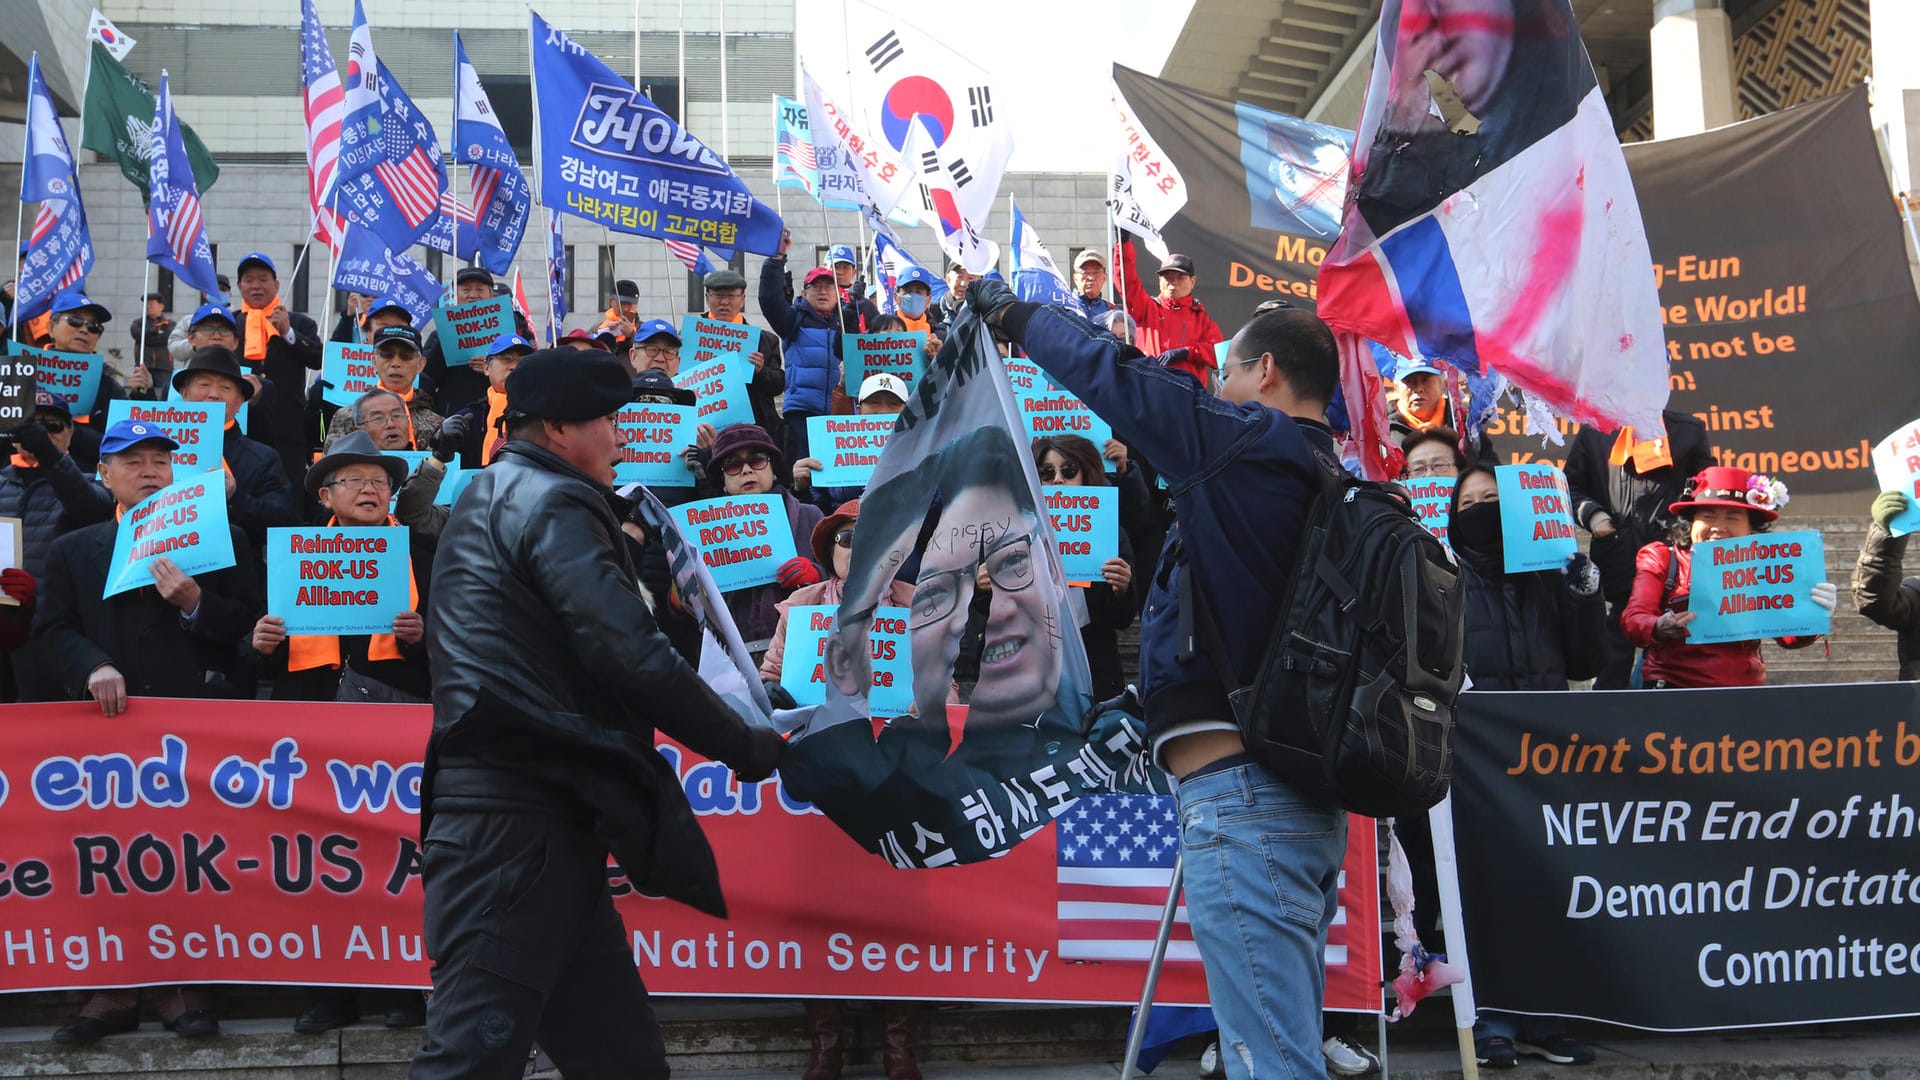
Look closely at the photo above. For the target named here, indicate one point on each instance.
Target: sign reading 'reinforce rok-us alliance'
(1712, 858)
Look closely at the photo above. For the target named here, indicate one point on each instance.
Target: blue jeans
(1262, 863)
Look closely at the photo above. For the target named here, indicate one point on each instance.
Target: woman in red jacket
(1722, 503)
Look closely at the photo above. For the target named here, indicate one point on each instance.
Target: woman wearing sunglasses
(1071, 461)
(744, 461)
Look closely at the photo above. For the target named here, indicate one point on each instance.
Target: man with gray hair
(383, 416)
(397, 361)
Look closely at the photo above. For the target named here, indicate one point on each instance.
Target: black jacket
(768, 383)
(50, 502)
(1108, 613)
(1636, 503)
(277, 416)
(550, 676)
(160, 653)
(1882, 596)
(456, 386)
(261, 494)
(1528, 631)
(407, 674)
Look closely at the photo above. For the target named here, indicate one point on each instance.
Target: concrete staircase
(1857, 650)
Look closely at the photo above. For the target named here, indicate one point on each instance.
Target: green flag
(119, 124)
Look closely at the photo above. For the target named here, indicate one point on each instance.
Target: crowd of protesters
(1217, 494)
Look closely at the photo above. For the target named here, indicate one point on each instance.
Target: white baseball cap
(882, 383)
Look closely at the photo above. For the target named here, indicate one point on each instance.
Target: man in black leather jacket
(550, 676)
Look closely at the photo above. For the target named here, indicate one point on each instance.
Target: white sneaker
(1210, 1067)
(1348, 1058)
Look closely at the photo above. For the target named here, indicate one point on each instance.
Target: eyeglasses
(1432, 468)
(843, 539)
(656, 350)
(364, 483)
(1068, 471)
(80, 323)
(1009, 566)
(736, 466)
(383, 419)
(55, 425)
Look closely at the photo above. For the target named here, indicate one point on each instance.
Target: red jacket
(1166, 324)
(1732, 663)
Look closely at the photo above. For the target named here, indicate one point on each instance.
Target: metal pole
(720, 9)
(146, 275)
(20, 212)
(1138, 1034)
(1385, 1072)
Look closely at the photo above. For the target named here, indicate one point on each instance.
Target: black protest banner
(1246, 250)
(1790, 314)
(1688, 859)
(18, 381)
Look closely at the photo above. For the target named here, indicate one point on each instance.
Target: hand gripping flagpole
(1137, 1035)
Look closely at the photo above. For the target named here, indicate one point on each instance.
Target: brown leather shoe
(829, 1027)
(898, 1059)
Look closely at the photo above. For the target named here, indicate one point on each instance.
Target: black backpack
(1353, 698)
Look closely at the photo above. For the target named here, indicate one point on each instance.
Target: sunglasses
(54, 425)
(736, 466)
(843, 539)
(1069, 471)
(79, 323)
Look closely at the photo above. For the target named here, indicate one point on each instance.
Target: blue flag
(556, 277)
(501, 197)
(176, 234)
(891, 264)
(610, 155)
(795, 163)
(59, 250)
(367, 266)
(1036, 278)
(390, 173)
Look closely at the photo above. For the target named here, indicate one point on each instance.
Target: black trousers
(1617, 671)
(526, 944)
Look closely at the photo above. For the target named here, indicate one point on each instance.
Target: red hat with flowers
(1724, 485)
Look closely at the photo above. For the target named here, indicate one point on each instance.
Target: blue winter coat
(810, 340)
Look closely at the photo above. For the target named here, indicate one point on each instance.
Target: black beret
(569, 384)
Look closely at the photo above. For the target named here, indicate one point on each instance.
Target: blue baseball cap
(79, 301)
(386, 303)
(917, 275)
(130, 433)
(508, 341)
(212, 311)
(52, 402)
(1411, 366)
(654, 328)
(842, 253)
(253, 257)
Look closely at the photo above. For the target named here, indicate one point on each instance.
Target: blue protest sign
(467, 329)
(454, 484)
(1086, 527)
(743, 539)
(803, 669)
(900, 354)
(1026, 376)
(703, 341)
(347, 369)
(1056, 412)
(1536, 517)
(185, 522)
(720, 389)
(448, 488)
(1220, 353)
(196, 426)
(1757, 587)
(652, 439)
(339, 579)
(610, 155)
(73, 376)
(849, 447)
(1432, 501)
(1896, 464)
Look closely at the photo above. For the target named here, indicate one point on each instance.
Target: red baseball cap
(582, 335)
(818, 273)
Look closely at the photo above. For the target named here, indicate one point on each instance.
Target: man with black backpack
(1261, 855)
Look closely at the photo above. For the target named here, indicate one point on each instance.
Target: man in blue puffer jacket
(809, 330)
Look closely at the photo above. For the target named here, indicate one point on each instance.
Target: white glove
(1825, 595)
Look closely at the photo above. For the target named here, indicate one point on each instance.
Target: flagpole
(20, 212)
(146, 276)
(720, 8)
(778, 206)
(335, 231)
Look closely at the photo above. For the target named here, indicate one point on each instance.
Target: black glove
(778, 695)
(858, 289)
(988, 298)
(317, 395)
(33, 438)
(765, 748)
(452, 435)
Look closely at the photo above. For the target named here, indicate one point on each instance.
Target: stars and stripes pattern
(798, 151)
(414, 184)
(690, 256)
(324, 102)
(44, 219)
(59, 248)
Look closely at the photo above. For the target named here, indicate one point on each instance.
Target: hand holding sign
(183, 525)
(743, 539)
(1759, 586)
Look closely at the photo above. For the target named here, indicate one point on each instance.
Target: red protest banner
(189, 842)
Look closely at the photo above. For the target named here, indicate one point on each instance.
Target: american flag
(325, 103)
(44, 219)
(690, 256)
(798, 151)
(414, 184)
(1115, 862)
(556, 276)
